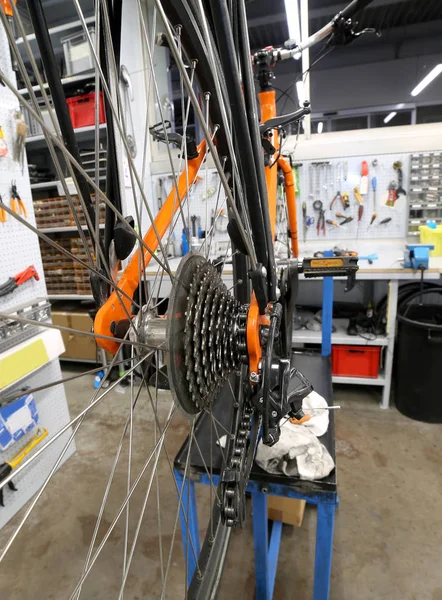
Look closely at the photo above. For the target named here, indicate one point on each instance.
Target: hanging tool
(359, 197)
(304, 220)
(364, 177)
(13, 282)
(345, 169)
(374, 185)
(360, 212)
(12, 463)
(17, 204)
(194, 218)
(397, 166)
(345, 201)
(320, 223)
(21, 130)
(333, 223)
(392, 194)
(384, 221)
(346, 219)
(337, 197)
(3, 213)
(3, 144)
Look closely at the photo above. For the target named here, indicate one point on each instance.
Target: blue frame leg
(324, 550)
(261, 545)
(188, 522)
(327, 312)
(266, 553)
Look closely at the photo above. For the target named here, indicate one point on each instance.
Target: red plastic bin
(356, 361)
(82, 110)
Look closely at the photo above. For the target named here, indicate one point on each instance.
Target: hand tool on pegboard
(384, 221)
(320, 223)
(332, 223)
(3, 213)
(17, 204)
(21, 130)
(374, 185)
(397, 166)
(364, 177)
(3, 144)
(345, 219)
(9, 465)
(392, 194)
(13, 282)
(345, 200)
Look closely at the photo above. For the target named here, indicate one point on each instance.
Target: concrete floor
(388, 533)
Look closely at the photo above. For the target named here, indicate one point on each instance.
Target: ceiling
(268, 25)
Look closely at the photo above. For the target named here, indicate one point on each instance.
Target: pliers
(17, 204)
(321, 222)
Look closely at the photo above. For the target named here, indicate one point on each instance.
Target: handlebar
(346, 13)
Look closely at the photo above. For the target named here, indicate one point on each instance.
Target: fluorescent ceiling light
(400, 105)
(390, 116)
(300, 92)
(427, 80)
(320, 127)
(292, 14)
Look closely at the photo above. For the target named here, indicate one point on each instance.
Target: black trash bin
(419, 361)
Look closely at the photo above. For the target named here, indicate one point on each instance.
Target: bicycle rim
(189, 36)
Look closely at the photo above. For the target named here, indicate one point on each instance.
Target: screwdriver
(330, 222)
(346, 219)
(374, 184)
(384, 221)
(304, 218)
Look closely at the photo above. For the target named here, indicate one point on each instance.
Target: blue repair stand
(322, 493)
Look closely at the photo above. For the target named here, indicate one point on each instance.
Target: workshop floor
(387, 544)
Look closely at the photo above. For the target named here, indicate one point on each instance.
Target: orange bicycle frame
(118, 306)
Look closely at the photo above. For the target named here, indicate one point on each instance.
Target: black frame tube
(258, 212)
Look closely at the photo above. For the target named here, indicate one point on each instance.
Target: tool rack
(19, 250)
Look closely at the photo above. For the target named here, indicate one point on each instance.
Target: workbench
(387, 268)
(322, 493)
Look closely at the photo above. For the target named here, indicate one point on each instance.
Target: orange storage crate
(82, 110)
(356, 361)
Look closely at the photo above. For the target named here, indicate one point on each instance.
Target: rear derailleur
(283, 387)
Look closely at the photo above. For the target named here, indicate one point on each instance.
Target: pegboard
(54, 414)
(321, 180)
(201, 202)
(19, 248)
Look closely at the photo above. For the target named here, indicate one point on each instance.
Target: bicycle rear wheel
(214, 314)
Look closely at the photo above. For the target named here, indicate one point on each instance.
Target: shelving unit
(65, 81)
(340, 336)
(72, 229)
(82, 133)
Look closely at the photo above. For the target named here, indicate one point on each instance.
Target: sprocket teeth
(211, 339)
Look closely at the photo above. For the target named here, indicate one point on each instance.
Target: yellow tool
(359, 197)
(3, 213)
(3, 144)
(13, 462)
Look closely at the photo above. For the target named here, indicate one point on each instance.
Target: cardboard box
(77, 346)
(286, 510)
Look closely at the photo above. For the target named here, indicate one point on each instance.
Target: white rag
(298, 451)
